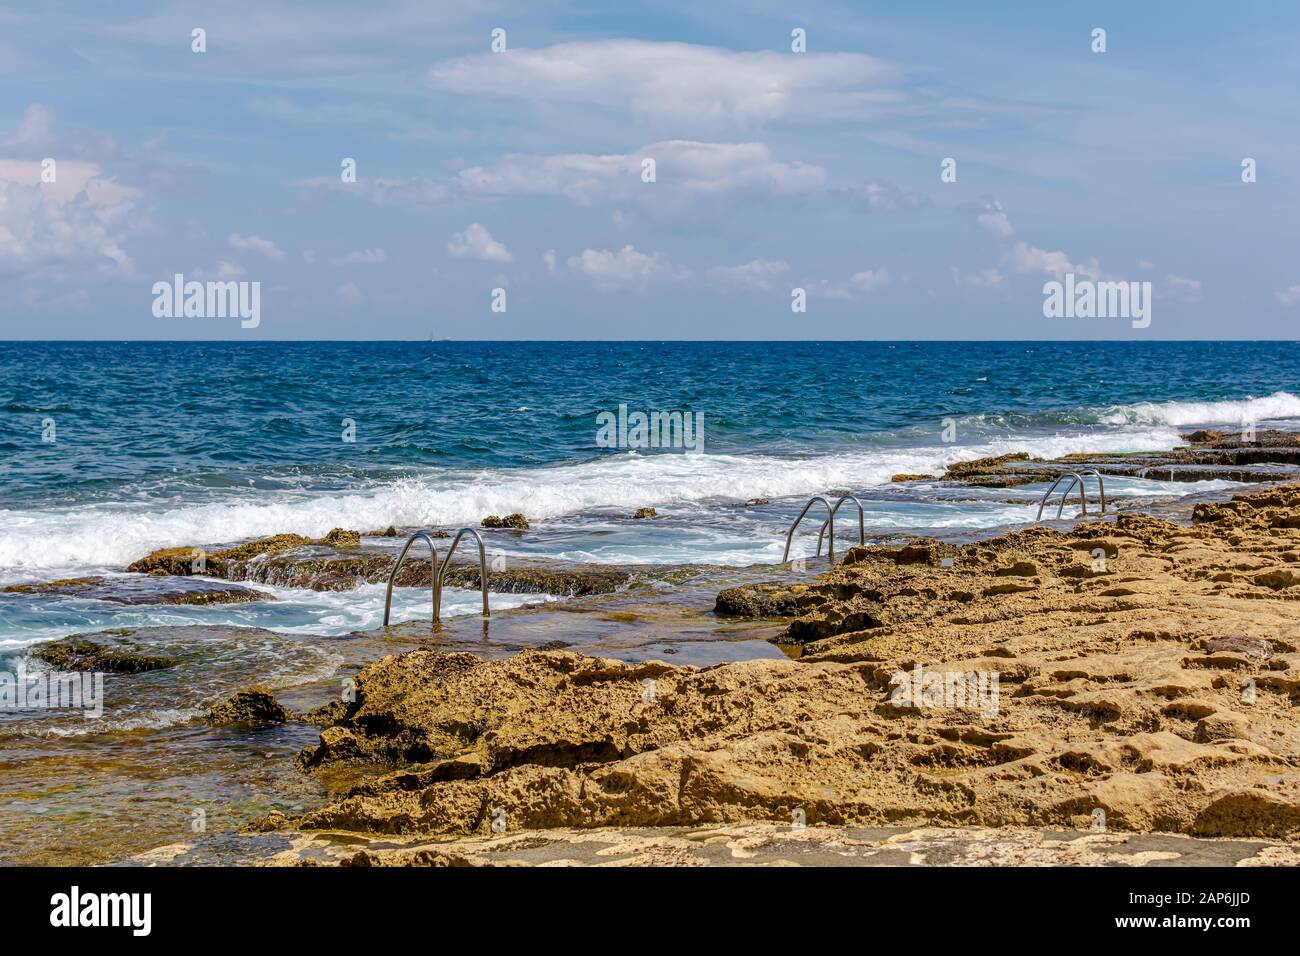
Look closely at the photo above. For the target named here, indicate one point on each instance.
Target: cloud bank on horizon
(832, 171)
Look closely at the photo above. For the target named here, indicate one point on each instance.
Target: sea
(111, 450)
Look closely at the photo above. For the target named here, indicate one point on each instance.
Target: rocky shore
(1134, 678)
(1146, 678)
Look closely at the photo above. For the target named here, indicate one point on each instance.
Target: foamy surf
(1269, 408)
(113, 535)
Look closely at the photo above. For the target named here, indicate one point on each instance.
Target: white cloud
(826, 289)
(678, 82)
(80, 218)
(870, 279)
(256, 244)
(996, 222)
(34, 127)
(686, 173)
(384, 191)
(349, 294)
(865, 281)
(362, 257)
(1289, 296)
(885, 196)
(697, 168)
(477, 243)
(758, 274)
(78, 222)
(548, 257)
(983, 279)
(1027, 258)
(990, 216)
(627, 267)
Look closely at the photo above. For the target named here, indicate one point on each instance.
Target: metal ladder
(438, 571)
(1075, 478)
(862, 533)
(828, 523)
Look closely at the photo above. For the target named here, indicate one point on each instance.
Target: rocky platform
(1147, 674)
(291, 561)
(1268, 456)
(162, 589)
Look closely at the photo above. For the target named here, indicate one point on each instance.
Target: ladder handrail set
(482, 563)
(1076, 478)
(831, 518)
(862, 532)
(438, 571)
(829, 523)
(434, 576)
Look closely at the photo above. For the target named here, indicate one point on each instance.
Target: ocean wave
(1279, 405)
(114, 534)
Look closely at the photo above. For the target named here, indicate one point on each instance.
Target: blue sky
(522, 170)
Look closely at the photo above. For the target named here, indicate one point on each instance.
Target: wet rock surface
(155, 589)
(1143, 673)
(515, 522)
(764, 844)
(1269, 456)
(294, 562)
(760, 600)
(255, 706)
(77, 653)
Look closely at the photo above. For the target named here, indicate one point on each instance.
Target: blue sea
(111, 450)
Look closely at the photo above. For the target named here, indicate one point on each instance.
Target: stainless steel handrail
(1075, 478)
(438, 571)
(435, 587)
(862, 526)
(1101, 486)
(830, 554)
(482, 564)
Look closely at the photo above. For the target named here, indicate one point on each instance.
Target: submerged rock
(910, 477)
(77, 654)
(255, 706)
(155, 589)
(61, 586)
(515, 521)
(759, 600)
(342, 538)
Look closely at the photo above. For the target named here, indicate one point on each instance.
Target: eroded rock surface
(255, 706)
(1146, 671)
(155, 589)
(292, 561)
(75, 653)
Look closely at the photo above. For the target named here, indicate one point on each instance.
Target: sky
(505, 194)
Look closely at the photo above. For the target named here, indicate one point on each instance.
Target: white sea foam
(101, 535)
(1279, 405)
